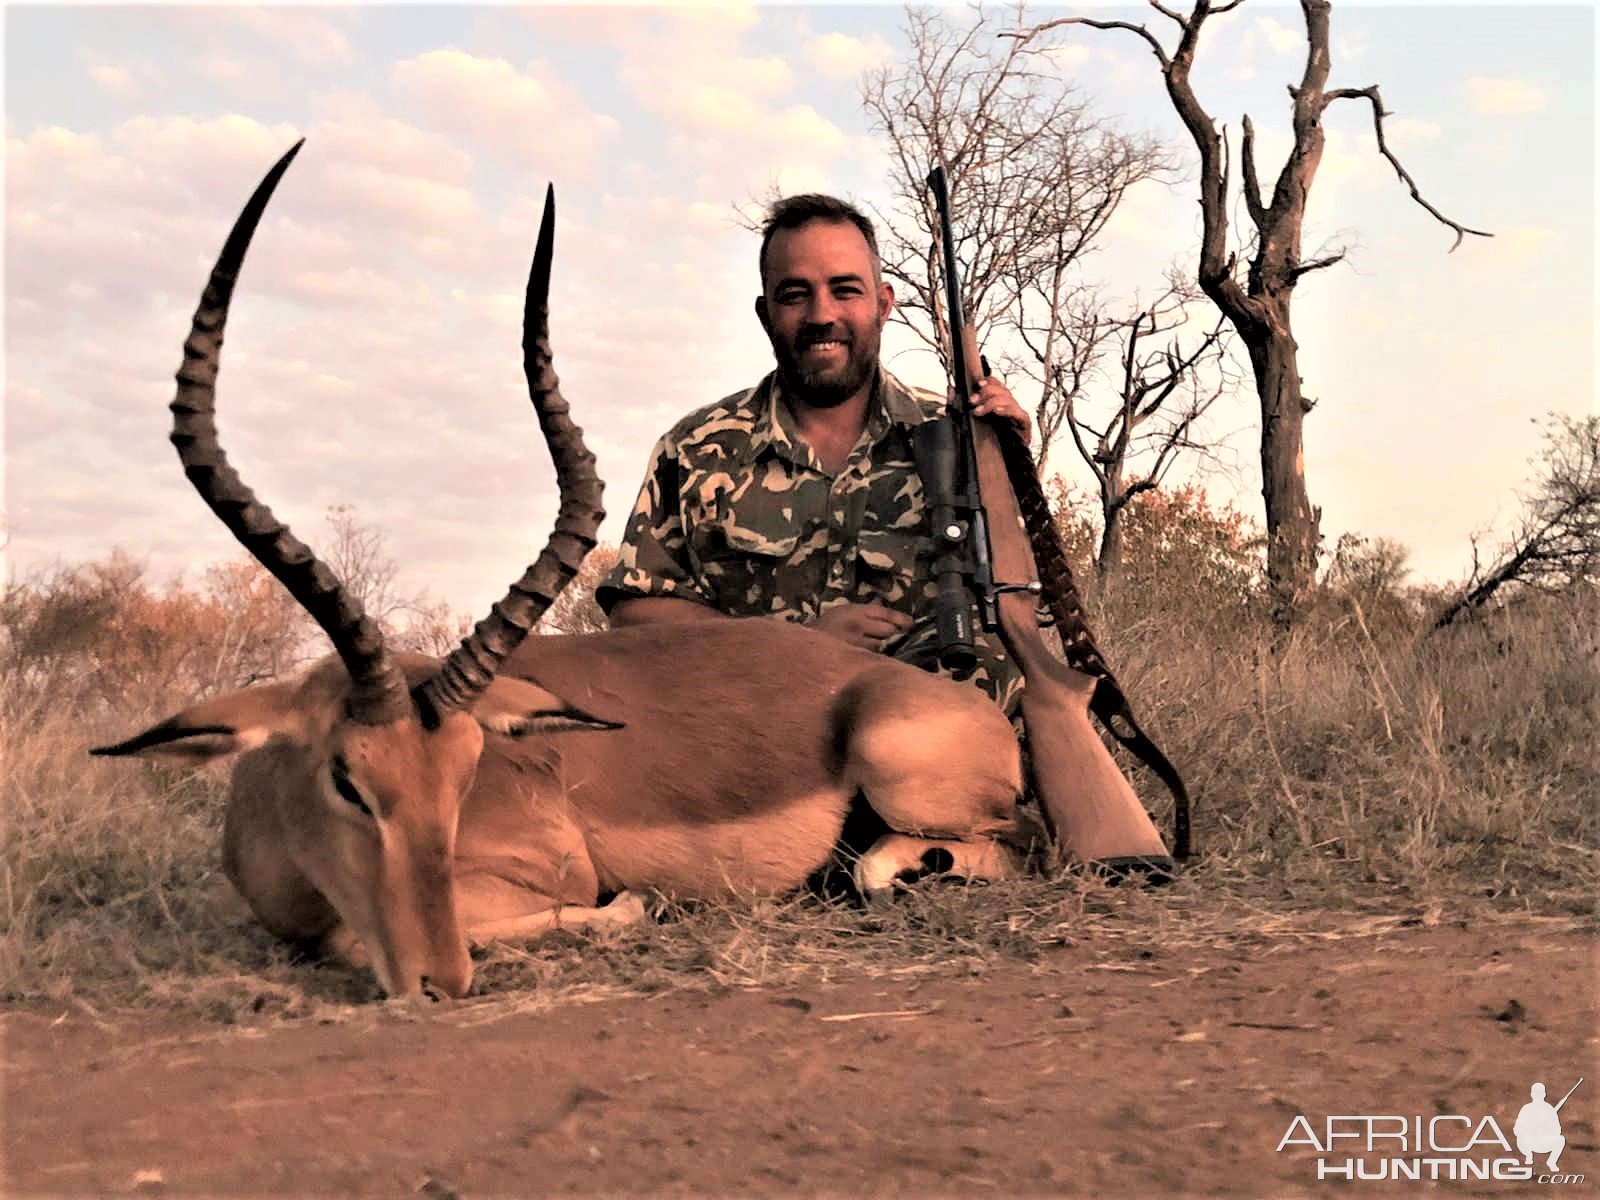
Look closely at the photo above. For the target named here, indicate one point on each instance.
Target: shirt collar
(773, 426)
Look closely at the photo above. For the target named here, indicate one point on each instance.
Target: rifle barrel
(954, 318)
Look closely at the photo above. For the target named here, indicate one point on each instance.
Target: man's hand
(870, 626)
(993, 398)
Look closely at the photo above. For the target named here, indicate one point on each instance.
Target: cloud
(116, 280)
(113, 79)
(1068, 57)
(1519, 246)
(711, 93)
(183, 143)
(1265, 37)
(352, 127)
(1411, 131)
(1505, 97)
(116, 216)
(401, 201)
(731, 114)
(226, 70)
(152, 203)
(156, 219)
(265, 54)
(840, 56)
(372, 352)
(1283, 40)
(1351, 48)
(621, 25)
(1350, 159)
(532, 116)
(310, 36)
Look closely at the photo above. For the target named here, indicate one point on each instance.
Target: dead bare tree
(1162, 388)
(1557, 543)
(1258, 306)
(1034, 176)
(1034, 180)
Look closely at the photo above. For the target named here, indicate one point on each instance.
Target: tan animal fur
(396, 808)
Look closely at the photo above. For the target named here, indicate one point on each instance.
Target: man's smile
(826, 348)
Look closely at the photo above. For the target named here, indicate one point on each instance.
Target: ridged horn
(472, 665)
(378, 691)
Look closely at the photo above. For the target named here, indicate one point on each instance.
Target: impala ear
(517, 708)
(217, 727)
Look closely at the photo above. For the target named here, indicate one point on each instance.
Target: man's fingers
(870, 626)
(1013, 414)
(882, 612)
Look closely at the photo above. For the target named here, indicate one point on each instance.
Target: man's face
(822, 310)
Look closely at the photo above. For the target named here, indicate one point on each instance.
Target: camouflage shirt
(737, 513)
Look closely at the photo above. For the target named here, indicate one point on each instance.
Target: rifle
(970, 472)
(947, 460)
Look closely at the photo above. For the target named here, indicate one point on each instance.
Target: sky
(372, 353)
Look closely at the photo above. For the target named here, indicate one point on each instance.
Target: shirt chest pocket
(750, 571)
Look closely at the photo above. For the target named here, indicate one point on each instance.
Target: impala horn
(378, 690)
(472, 665)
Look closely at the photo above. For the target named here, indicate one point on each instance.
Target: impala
(398, 808)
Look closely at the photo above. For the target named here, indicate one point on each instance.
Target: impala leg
(897, 855)
(625, 908)
(341, 943)
(512, 901)
(939, 763)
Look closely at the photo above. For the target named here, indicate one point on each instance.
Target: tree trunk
(1109, 560)
(1292, 523)
(1260, 311)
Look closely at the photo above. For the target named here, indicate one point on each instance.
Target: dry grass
(1352, 774)
(1357, 752)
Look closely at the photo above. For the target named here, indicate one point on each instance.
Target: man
(1538, 1128)
(799, 499)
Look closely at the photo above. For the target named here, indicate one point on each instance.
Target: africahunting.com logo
(1447, 1146)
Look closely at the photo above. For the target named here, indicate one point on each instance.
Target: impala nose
(451, 979)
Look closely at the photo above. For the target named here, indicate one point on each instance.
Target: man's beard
(825, 387)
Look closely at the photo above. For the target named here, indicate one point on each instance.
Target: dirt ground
(1096, 1070)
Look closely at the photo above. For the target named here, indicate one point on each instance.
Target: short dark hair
(791, 212)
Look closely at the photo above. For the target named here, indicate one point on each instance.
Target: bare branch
(1034, 176)
(1155, 46)
(1169, 14)
(1318, 264)
(1557, 544)
(1248, 178)
(1378, 113)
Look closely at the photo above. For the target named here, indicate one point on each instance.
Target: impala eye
(347, 790)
